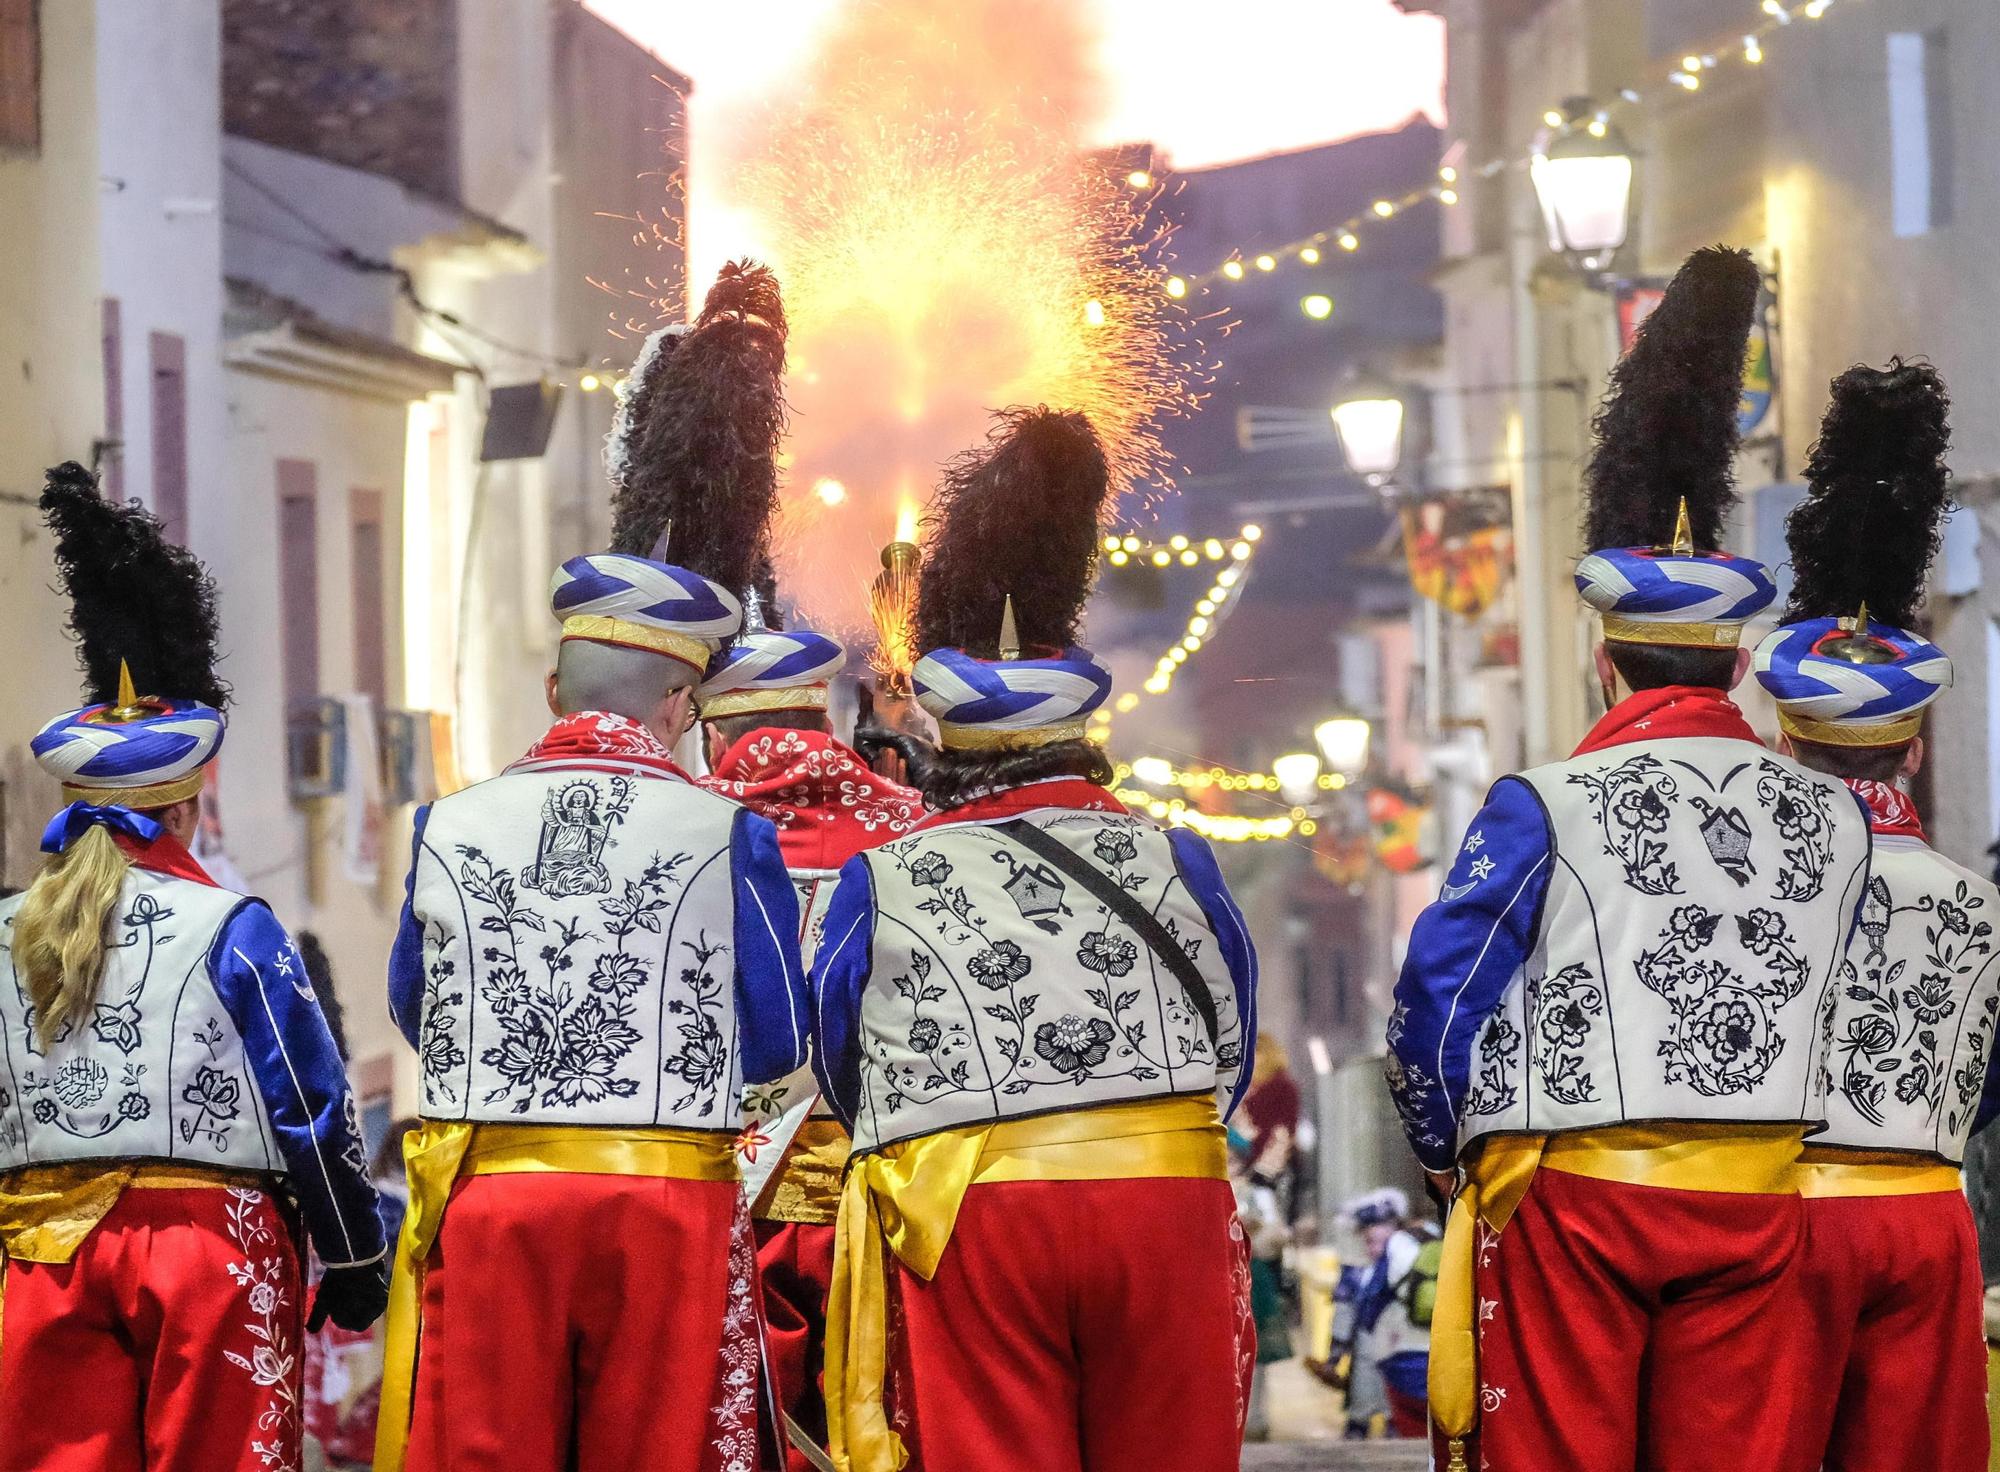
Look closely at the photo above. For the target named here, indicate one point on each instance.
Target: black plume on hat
(699, 473)
(1878, 489)
(134, 594)
(1018, 516)
(1667, 429)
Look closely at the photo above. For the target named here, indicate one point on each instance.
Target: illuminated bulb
(1197, 624)
(1553, 118)
(1156, 685)
(1240, 551)
(1093, 312)
(589, 383)
(830, 491)
(1233, 270)
(1448, 174)
(1308, 827)
(1817, 8)
(1383, 208)
(1690, 63)
(1139, 179)
(1176, 287)
(1318, 306)
(1120, 557)
(1128, 701)
(1205, 607)
(1753, 51)
(1267, 263)
(1309, 254)
(1190, 557)
(1212, 547)
(1226, 578)
(1162, 557)
(1177, 654)
(1776, 8)
(1191, 643)
(1685, 80)
(1447, 196)
(1111, 544)
(1598, 128)
(1348, 240)
(1252, 532)
(1177, 541)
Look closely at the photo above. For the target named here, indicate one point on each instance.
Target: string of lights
(1347, 236)
(1216, 827)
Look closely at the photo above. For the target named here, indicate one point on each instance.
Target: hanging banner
(1459, 548)
(1402, 829)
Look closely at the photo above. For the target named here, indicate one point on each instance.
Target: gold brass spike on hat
(1856, 645)
(1010, 636)
(1683, 543)
(128, 707)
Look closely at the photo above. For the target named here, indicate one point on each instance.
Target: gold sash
(1831, 1172)
(436, 1153)
(1739, 1159)
(908, 1196)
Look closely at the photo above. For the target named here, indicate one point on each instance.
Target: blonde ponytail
(59, 930)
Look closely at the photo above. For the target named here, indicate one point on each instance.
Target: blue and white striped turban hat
(617, 598)
(993, 703)
(1694, 599)
(770, 669)
(1825, 694)
(150, 758)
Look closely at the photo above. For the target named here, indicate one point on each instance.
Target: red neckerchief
(1062, 792)
(164, 855)
(825, 802)
(1669, 713)
(1890, 811)
(598, 741)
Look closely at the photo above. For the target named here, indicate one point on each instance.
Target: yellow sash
(909, 1195)
(1740, 1159)
(436, 1153)
(1831, 1172)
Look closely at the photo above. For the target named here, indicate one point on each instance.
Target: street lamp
(1368, 418)
(1343, 740)
(1582, 173)
(1298, 776)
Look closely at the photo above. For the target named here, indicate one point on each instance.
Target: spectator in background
(1259, 1210)
(1393, 1313)
(1273, 1101)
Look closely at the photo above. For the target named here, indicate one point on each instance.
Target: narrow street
(1335, 1456)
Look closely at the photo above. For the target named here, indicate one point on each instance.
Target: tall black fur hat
(135, 595)
(697, 470)
(1872, 519)
(1016, 517)
(1667, 430)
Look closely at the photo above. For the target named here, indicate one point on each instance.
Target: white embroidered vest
(159, 1072)
(1909, 1026)
(999, 988)
(1699, 896)
(579, 952)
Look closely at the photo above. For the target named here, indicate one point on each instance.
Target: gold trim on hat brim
(1898, 732)
(599, 628)
(751, 702)
(152, 795)
(1683, 636)
(988, 738)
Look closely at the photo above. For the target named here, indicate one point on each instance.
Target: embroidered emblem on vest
(1036, 890)
(1632, 811)
(1803, 811)
(1727, 834)
(576, 829)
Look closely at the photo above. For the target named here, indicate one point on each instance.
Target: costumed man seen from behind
(1892, 1263)
(1604, 1032)
(595, 957)
(1027, 1011)
(771, 747)
(168, 1085)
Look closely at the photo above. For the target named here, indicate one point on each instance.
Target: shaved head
(616, 679)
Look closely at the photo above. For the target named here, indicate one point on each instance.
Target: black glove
(353, 1298)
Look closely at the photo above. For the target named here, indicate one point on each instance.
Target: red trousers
(795, 1264)
(1895, 1285)
(588, 1323)
(169, 1343)
(1626, 1327)
(1082, 1326)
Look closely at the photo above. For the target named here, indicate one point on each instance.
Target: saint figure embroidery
(577, 820)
